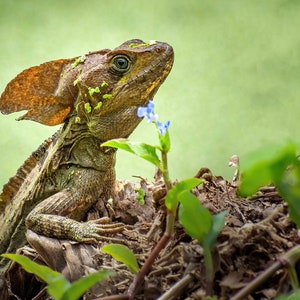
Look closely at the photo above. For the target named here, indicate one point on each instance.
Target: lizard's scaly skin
(69, 173)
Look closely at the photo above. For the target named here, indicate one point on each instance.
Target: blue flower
(151, 116)
(163, 128)
(147, 112)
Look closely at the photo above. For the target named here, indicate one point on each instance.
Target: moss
(87, 108)
(107, 96)
(104, 83)
(136, 45)
(98, 106)
(92, 91)
(75, 82)
(78, 61)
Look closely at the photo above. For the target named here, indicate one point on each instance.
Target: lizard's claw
(94, 230)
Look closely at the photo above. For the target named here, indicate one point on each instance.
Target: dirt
(256, 234)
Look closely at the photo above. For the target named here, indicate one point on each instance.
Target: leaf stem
(209, 266)
(208, 263)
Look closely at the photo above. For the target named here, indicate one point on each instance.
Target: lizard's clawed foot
(97, 230)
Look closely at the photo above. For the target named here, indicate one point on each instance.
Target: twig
(177, 288)
(287, 260)
(138, 280)
(114, 297)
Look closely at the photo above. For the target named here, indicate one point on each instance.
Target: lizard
(95, 97)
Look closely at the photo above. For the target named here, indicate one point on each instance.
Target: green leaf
(79, 287)
(218, 222)
(294, 295)
(278, 165)
(123, 254)
(142, 150)
(57, 287)
(57, 284)
(264, 167)
(140, 196)
(289, 189)
(184, 185)
(45, 273)
(194, 217)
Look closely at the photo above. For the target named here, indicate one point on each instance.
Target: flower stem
(165, 170)
(171, 214)
(170, 221)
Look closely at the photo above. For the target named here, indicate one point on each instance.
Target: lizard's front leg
(59, 215)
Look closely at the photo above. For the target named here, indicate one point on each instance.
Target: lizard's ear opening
(34, 90)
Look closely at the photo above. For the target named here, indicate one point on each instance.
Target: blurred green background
(234, 86)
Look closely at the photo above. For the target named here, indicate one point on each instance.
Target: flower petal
(163, 128)
(147, 112)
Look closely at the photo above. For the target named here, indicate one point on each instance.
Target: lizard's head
(102, 89)
(130, 76)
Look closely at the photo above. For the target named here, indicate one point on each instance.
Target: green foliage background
(234, 86)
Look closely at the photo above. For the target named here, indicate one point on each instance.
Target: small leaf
(45, 273)
(142, 150)
(194, 217)
(79, 287)
(280, 166)
(123, 254)
(140, 197)
(57, 287)
(294, 295)
(57, 283)
(218, 222)
(184, 185)
(289, 189)
(264, 167)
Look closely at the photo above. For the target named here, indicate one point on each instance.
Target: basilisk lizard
(96, 97)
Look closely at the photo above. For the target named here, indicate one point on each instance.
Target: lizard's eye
(121, 63)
